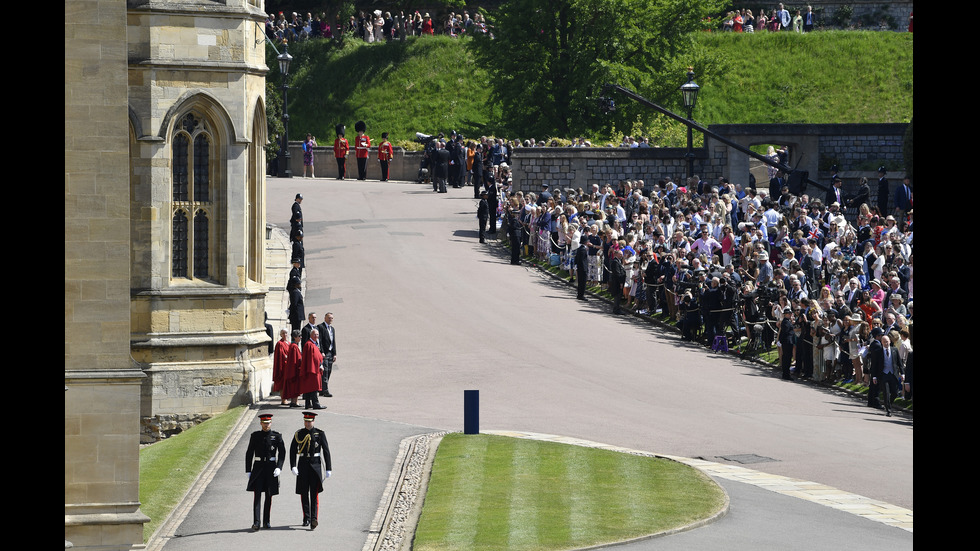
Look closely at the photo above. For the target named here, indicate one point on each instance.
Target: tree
(548, 60)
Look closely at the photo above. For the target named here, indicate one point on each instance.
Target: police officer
(309, 446)
(263, 463)
(296, 219)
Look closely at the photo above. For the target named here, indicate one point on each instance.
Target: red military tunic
(385, 151)
(340, 147)
(362, 143)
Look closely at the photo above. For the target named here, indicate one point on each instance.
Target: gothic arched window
(193, 167)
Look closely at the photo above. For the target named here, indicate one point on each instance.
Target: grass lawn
(493, 492)
(168, 468)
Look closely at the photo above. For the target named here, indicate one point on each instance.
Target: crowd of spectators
(731, 262)
(376, 26)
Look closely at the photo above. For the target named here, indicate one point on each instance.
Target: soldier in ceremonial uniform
(362, 146)
(385, 155)
(309, 458)
(263, 462)
(340, 149)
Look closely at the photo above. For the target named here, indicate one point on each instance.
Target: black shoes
(306, 522)
(313, 524)
(267, 526)
(255, 527)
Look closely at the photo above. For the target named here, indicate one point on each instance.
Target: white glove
(328, 474)
(276, 472)
(295, 471)
(248, 476)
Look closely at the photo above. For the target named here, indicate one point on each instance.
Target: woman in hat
(308, 144)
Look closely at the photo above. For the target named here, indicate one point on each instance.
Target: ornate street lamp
(689, 92)
(283, 161)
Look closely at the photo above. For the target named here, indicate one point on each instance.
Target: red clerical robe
(294, 357)
(279, 357)
(309, 373)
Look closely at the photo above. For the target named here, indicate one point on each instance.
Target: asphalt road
(423, 312)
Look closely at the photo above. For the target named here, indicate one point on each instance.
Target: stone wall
(857, 149)
(102, 386)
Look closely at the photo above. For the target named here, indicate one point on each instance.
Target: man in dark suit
(328, 345)
(776, 185)
(459, 159)
(453, 169)
(835, 194)
(296, 309)
(440, 160)
(581, 266)
(617, 279)
(786, 340)
(886, 372)
(477, 171)
(882, 191)
(903, 200)
(308, 328)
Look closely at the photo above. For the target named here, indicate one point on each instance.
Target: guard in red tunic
(309, 458)
(385, 154)
(309, 372)
(340, 149)
(362, 144)
(263, 462)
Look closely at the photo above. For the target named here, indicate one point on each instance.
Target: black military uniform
(483, 214)
(299, 252)
(296, 219)
(581, 266)
(263, 461)
(309, 458)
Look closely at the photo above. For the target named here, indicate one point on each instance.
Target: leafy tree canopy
(549, 60)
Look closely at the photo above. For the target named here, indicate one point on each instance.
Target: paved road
(423, 312)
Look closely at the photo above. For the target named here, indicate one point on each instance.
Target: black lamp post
(283, 162)
(689, 91)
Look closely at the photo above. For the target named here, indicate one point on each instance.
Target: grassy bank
(432, 84)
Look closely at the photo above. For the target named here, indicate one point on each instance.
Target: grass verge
(168, 468)
(494, 492)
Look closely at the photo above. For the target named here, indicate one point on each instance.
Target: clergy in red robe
(291, 371)
(309, 373)
(279, 357)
